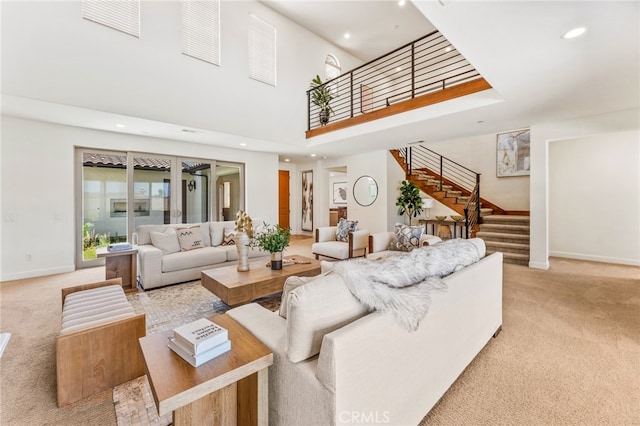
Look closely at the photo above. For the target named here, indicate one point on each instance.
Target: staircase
(508, 234)
(441, 180)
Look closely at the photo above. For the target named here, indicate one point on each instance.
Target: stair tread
(506, 244)
(503, 235)
(510, 255)
(509, 218)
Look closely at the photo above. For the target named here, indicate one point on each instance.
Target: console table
(434, 222)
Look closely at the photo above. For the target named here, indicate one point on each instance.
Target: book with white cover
(201, 358)
(200, 335)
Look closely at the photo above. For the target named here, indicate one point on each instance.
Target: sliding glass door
(118, 191)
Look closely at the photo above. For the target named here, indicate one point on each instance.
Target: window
(262, 50)
(201, 30)
(332, 70)
(123, 15)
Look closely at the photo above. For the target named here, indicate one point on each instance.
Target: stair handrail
(420, 157)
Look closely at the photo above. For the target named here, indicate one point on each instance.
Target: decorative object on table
(441, 217)
(200, 341)
(307, 200)
(457, 218)
(321, 97)
(513, 153)
(427, 204)
(409, 201)
(444, 232)
(273, 239)
(244, 234)
(119, 247)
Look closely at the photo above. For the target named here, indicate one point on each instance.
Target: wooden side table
(121, 264)
(230, 389)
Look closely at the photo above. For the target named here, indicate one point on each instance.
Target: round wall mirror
(365, 190)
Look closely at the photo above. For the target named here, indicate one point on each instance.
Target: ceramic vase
(242, 245)
(276, 260)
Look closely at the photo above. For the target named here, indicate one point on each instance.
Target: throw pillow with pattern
(344, 227)
(229, 238)
(190, 238)
(406, 238)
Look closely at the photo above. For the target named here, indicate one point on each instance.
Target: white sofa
(370, 370)
(157, 269)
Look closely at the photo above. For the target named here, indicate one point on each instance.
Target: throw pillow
(190, 238)
(229, 238)
(167, 242)
(406, 238)
(344, 227)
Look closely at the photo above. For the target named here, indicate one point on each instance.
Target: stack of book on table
(119, 247)
(200, 341)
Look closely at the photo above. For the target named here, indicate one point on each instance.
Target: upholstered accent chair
(326, 244)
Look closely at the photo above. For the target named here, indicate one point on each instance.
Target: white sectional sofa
(336, 363)
(160, 264)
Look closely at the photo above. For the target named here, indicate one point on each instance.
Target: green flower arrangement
(273, 239)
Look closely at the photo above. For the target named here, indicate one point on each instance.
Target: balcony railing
(424, 66)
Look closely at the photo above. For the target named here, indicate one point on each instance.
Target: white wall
(38, 200)
(594, 198)
(478, 153)
(604, 127)
(50, 53)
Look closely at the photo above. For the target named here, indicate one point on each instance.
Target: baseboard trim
(38, 273)
(593, 258)
(539, 265)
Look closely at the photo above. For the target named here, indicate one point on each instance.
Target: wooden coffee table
(228, 390)
(235, 288)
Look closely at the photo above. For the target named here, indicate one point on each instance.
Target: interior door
(283, 198)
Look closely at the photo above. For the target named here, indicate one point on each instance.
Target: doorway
(284, 199)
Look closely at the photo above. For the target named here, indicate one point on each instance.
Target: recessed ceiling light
(398, 68)
(347, 35)
(313, 155)
(120, 126)
(448, 49)
(243, 144)
(401, 3)
(286, 160)
(576, 32)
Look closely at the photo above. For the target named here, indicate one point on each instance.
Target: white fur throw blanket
(403, 283)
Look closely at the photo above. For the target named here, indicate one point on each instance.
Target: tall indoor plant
(273, 239)
(321, 97)
(409, 201)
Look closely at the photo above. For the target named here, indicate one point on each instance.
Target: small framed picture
(340, 193)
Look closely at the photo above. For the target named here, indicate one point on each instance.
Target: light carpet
(167, 308)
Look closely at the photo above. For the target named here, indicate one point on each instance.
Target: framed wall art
(513, 153)
(339, 193)
(307, 201)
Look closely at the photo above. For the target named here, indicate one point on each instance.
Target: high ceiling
(537, 76)
(374, 27)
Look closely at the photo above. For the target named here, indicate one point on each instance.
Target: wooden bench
(97, 347)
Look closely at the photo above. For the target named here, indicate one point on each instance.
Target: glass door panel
(104, 201)
(152, 200)
(196, 191)
(230, 190)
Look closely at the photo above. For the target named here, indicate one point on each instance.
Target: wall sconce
(192, 185)
(427, 204)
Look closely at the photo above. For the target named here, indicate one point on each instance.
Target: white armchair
(326, 245)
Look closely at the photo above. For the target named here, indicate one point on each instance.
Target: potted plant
(274, 239)
(409, 201)
(321, 97)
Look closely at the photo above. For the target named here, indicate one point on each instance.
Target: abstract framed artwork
(339, 193)
(513, 153)
(307, 201)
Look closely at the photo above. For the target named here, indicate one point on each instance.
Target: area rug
(167, 308)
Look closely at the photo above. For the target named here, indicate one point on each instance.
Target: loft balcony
(424, 72)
